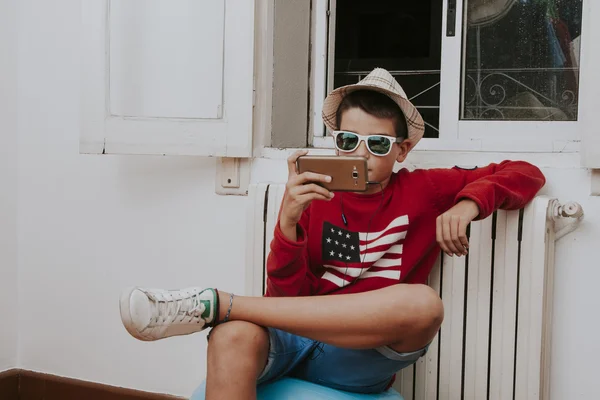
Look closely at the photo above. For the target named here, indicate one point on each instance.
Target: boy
(373, 250)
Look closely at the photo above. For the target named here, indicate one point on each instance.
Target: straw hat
(378, 80)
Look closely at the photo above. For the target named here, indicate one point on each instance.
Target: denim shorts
(359, 371)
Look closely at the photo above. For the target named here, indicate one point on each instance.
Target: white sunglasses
(378, 145)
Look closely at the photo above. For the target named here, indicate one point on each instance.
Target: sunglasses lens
(346, 141)
(379, 144)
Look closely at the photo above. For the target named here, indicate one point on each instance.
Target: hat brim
(414, 120)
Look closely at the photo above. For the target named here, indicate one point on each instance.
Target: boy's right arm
(300, 191)
(288, 272)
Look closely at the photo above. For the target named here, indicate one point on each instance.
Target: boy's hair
(376, 104)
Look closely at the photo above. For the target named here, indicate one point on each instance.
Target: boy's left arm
(465, 195)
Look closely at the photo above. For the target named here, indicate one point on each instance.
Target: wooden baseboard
(9, 385)
(28, 385)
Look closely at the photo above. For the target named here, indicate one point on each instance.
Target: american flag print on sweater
(349, 255)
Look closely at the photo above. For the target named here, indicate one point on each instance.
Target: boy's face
(380, 167)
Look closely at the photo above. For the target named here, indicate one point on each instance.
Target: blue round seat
(296, 389)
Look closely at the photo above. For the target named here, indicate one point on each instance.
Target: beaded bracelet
(229, 309)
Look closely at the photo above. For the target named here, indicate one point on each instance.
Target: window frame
(456, 134)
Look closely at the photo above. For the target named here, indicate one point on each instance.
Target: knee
(431, 308)
(237, 349)
(237, 338)
(426, 310)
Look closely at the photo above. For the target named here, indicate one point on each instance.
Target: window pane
(403, 36)
(521, 60)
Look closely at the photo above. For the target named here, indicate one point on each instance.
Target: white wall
(576, 305)
(8, 185)
(91, 225)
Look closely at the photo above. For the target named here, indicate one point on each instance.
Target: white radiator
(494, 342)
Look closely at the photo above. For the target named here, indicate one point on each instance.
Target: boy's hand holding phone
(301, 190)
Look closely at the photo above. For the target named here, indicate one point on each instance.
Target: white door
(167, 77)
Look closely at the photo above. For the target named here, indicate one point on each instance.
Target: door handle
(451, 18)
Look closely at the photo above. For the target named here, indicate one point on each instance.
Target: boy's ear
(404, 149)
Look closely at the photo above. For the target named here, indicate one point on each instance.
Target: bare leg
(405, 317)
(237, 354)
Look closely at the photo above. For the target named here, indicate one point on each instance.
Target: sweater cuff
(284, 243)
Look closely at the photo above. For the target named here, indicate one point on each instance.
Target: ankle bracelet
(229, 309)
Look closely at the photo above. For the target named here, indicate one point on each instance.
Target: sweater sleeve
(288, 269)
(509, 185)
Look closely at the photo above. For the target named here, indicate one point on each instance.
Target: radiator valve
(566, 217)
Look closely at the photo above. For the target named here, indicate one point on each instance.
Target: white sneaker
(152, 314)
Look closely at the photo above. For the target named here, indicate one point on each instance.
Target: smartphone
(348, 173)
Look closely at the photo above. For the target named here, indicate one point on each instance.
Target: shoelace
(177, 306)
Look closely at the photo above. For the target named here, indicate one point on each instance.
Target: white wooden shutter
(167, 77)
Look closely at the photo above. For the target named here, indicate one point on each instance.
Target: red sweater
(391, 237)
